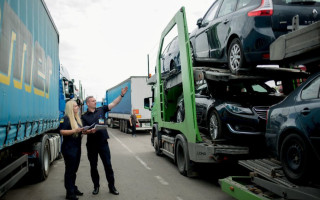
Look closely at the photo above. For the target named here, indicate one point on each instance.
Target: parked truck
(176, 129)
(33, 91)
(131, 103)
(181, 140)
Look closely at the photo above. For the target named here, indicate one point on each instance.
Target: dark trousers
(71, 155)
(104, 153)
(133, 129)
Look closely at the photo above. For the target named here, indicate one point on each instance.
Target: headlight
(238, 109)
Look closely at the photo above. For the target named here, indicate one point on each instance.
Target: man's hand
(124, 91)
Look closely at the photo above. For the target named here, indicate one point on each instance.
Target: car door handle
(305, 111)
(226, 21)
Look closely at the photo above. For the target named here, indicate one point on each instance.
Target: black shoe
(95, 191)
(114, 191)
(72, 197)
(78, 193)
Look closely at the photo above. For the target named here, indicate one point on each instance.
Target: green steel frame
(189, 126)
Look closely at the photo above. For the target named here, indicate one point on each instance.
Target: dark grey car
(239, 32)
(293, 130)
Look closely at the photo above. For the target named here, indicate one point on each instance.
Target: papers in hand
(95, 126)
(88, 127)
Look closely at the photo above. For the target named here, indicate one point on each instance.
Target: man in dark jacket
(97, 141)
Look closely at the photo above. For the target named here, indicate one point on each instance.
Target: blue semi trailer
(133, 101)
(32, 90)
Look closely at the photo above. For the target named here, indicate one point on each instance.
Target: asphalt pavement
(139, 175)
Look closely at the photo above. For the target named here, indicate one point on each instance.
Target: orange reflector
(136, 111)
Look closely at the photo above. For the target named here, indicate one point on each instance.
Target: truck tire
(181, 158)
(156, 142)
(41, 171)
(111, 123)
(126, 126)
(121, 125)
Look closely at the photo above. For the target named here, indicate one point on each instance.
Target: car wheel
(295, 159)
(235, 56)
(180, 115)
(214, 126)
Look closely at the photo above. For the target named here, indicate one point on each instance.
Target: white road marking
(143, 163)
(125, 146)
(161, 180)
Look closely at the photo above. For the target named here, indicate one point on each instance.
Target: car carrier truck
(182, 140)
(131, 102)
(32, 89)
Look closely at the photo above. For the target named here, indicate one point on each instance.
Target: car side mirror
(199, 22)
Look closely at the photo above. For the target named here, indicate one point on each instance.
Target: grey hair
(88, 97)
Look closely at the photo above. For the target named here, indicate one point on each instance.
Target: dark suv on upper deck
(239, 32)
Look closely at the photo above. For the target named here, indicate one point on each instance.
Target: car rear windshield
(296, 2)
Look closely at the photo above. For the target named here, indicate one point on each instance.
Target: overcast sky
(104, 42)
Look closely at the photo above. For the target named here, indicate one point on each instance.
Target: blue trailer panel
(29, 71)
(124, 107)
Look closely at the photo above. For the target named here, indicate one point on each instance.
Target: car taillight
(267, 117)
(265, 9)
(266, 56)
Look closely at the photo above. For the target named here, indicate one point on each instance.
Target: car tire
(180, 115)
(236, 58)
(214, 126)
(295, 158)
